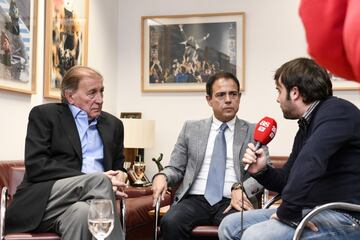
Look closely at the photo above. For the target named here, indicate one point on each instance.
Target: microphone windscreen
(265, 130)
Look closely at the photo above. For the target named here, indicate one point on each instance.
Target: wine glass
(101, 218)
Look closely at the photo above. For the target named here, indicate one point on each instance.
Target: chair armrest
(334, 205)
(272, 201)
(134, 192)
(4, 196)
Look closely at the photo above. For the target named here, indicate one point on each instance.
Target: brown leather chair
(134, 209)
(15, 176)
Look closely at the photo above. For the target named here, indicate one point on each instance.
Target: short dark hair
(312, 80)
(216, 76)
(73, 76)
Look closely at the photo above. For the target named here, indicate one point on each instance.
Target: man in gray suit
(191, 165)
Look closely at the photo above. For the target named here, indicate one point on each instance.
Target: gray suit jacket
(189, 152)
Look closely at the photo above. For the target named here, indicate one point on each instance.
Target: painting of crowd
(190, 53)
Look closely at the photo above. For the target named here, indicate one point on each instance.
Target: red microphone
(264, 132)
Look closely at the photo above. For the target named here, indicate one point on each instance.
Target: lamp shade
(138, 133)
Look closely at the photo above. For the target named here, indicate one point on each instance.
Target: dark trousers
(191, 211)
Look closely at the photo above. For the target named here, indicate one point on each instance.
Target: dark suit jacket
(52, 152)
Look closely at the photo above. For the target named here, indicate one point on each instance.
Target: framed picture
(340, 84)
(18, 46)
(66, 40)
(136, 115)
(180, 52)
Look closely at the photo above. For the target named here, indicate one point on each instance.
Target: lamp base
(139, 183)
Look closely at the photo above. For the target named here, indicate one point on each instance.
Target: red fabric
(333, 34)
(352, 36)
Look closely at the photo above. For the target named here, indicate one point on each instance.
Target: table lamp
(138, 134)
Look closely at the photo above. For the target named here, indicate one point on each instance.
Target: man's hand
(118, 179)
(257, 160)
(159, 188)
(236, 201)
(309, 224)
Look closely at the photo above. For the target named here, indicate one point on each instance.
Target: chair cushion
(206, 231)
(32, 236)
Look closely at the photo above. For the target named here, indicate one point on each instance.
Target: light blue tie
(216, 176)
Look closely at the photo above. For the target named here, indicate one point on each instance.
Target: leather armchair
(11, 175)
(134, 210)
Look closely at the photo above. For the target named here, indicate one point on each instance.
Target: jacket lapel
(106, 138)
(204, 132)
(239, 138)
(69, 126)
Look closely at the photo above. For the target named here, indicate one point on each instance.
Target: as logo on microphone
(273, 131)
(263, 125)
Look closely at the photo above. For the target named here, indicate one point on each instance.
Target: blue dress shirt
(91, 142)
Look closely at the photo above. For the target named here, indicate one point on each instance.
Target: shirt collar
(231, 123)
(306, 118)
(79, 113)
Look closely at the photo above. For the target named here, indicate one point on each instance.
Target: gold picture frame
(180, 52)
(136, 115)
(66, 41)
(18, 46)
(340, 84)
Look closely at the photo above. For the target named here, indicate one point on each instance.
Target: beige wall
(102, 55)
(274, 34)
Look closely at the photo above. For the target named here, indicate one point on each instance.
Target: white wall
(102, 55)
(274, 35)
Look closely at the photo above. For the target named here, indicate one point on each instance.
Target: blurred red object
(333, 35)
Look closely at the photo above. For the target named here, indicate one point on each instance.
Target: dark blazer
(52, 152)
(324, 164)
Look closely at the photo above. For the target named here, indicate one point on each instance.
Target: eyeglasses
(222, 95)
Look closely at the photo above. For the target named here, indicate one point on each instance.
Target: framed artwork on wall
(66, 41)
(180, 52)
(340, 84)
(136, 115)
(18, 45)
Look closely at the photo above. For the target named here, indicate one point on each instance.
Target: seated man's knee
(79, 211)
(171, 223)
(75, 215)
(227, 229)
(100, 179)
(167, 222)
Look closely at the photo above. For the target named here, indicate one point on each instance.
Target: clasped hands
(118, 179)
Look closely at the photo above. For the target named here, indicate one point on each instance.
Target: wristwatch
(236, 186)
